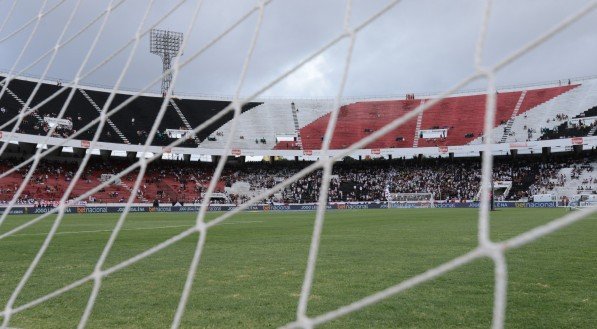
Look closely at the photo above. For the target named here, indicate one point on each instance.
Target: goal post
(582, 201)
(411, 200)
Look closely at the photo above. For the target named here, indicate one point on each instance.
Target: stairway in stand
(126, 187)
(297, 127)
(168, 191)
(510, 122)
(418, 127)
(184, 120)
(37, 116)
(592, 131)
(110, 122)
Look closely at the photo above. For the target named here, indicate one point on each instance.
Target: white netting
(410, 200)
(486, 247)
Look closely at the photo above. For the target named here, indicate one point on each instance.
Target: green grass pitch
(252, 269)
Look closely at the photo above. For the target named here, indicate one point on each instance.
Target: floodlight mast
(165, 44)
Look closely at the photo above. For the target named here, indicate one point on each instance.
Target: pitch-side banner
(281, 207)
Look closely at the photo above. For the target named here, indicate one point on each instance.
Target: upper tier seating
(528, 126)
(462, 116)
(520, 116)
(84, 106)
(266, 121)
(355, 121)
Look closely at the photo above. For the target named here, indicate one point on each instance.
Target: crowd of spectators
(587, 183)
(579, 126)
(36, 124)
(449, 180)
(546, 178)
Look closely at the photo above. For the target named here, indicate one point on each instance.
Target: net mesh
(486, 247)
(419, 200)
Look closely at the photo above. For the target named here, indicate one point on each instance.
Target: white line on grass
(130, 229)
(243, 222)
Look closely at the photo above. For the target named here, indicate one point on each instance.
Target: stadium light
(165, 44)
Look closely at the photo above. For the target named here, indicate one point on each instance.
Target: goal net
(583, 201)
(574, 206)
(410, 200)
(94, 59)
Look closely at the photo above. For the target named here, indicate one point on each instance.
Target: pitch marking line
(243, 222)
(132, 229)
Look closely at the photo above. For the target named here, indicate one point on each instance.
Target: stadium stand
(268, 121)
(529, 126)
(357, 120)
(581, 125)
(569, 180)
(454, 114)
(129, 125)
(523, 114)
(451, 180)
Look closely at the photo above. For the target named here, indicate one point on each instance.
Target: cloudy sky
(418, 46)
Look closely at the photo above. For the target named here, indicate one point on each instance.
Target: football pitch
(252, 269)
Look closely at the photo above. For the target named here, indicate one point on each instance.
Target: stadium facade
(558, 118)
(555, 117)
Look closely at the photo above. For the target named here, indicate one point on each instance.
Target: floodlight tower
(165, 44)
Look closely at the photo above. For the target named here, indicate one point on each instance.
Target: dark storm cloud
(418, 46)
